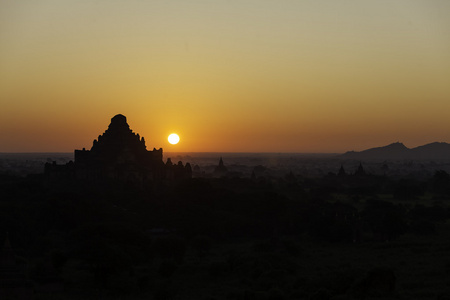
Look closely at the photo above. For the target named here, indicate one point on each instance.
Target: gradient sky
(227, 76)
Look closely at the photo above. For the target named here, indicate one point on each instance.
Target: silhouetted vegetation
(230, 238)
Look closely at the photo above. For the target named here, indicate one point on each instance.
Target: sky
(227, 76)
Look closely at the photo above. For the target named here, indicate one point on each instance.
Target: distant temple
(360, 171)
(119, 154)
(342, 171)
(220, 170)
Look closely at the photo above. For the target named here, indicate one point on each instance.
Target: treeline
(124, 239)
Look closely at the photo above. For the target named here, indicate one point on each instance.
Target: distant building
(220, 170)
(342, 171)
(360, 171)
(119, 154)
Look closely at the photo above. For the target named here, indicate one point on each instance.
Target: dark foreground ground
(333, 237)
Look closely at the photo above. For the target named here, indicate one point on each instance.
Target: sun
(173, 138)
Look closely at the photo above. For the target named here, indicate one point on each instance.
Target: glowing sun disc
(173, 138)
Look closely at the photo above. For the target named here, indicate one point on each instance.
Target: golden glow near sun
(278, 69)
(173, 138)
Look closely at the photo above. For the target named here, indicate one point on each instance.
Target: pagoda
(119, 154)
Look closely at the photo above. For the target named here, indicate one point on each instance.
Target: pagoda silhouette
(220, 170)
(119, 154)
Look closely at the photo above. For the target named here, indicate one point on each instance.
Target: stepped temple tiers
(119, 154)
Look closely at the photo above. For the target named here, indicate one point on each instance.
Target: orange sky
(227, 76)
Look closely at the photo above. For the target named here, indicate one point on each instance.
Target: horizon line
(230, 152)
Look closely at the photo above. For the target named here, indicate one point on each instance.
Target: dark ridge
(436, 150)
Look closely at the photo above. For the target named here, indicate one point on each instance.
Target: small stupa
(220, 170)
